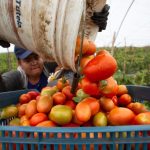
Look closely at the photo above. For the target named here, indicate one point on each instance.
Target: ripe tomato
(83, 112)
(78, 44)
(24, 98)
(100, 67)
(102, 51)
(142, 119)
(115, 100)
(67, 91)
(59, 98)
(108, 87)
(106, 104)
(120, 116)
(89, 87)
(85, 60)
(33, 94)
(93, 103)
(91, 48)
(61, 83)
(122, 89)
(137, 107)
(75, 119)
(21, 110)
(70, 103)
(124, 100)
(37, 118)
(47, 123)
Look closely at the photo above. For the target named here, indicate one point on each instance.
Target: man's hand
(4, 44)
(100, 18)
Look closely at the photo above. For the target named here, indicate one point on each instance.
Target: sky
(135, 30)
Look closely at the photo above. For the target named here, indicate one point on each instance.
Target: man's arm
(11, 81)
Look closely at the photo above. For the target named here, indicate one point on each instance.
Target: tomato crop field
(133, 64)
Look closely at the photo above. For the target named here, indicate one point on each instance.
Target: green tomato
(61, 114)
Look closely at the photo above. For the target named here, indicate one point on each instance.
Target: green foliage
(7, 62)
(133, 65)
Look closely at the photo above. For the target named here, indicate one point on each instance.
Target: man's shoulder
(12, 74)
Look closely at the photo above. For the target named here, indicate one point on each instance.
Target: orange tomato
(75, 119)
(137, 107)
(106, 104)
(47, 123)
(91, 48)
(78, 44)
(85, 60)
(108, 87)
(120, 116)
(61, 83)
(37, 118)
(24, 121)
(142, 119)
(122, 89)
(93, 103)
(31, 109)
(102, 51)
(59, 98)
(124, 100)
(83, 112)
(21, 110)
(44, 104)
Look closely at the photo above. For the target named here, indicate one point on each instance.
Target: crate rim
(127, 128)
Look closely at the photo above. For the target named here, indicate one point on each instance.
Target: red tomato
(24, 98)
(108, 87)
(124, 100)
(115, 100)
(59, 98)
(71, 104)
(37, 118)
(67, 91)
(100, 68)
(142, 119)
(33, 94)
(89, 87)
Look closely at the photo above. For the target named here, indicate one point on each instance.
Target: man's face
(32, 65)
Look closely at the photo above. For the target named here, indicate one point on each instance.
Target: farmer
(20, 78)
(30, 73)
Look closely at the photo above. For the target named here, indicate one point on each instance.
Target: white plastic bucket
(47, 27)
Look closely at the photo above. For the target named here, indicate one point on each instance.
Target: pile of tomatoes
(97, 101)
